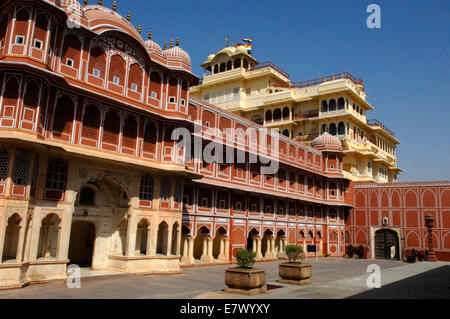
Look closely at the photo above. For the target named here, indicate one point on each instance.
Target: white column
(204, 256)
(178, 250)
(131, 237)
(258, 249)
(222, 255)
(150, 243)
(210, 249)
(169, 241)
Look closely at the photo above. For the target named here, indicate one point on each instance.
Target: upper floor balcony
(377, 124)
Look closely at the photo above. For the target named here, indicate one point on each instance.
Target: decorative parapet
(402, 184)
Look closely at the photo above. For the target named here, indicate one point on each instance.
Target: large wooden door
(385, 239)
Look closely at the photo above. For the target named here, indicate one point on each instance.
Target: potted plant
(245, 279)
(293, 272)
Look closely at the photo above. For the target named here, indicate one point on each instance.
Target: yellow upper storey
(264, 93)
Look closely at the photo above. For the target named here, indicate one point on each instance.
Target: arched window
(71, 52)
(4, 20)
(286, 113)
(166, 189)
(333, 128)
(21, 169)
(332, 106)
(129, 135)
(30, 101)
(146, 188)
(87, 196)
(222, 67)
(268, 115)
(177, 193)
(237, 63)
(4, 166)
(149, 145)
(48, 237)
(11, 241)
(324, 128)
(91, 122)
(216, 69)
(155, 85)
(111, 128)
(55, 182)
(286, 133)
(63, 118)
(117, 70)
(97, 62)
(341, 128)
(324, 106)
(277, 115)
(341, 103)
(229, 65)
(135, 78)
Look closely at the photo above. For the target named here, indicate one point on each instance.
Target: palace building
(264, 93)
(92, 171)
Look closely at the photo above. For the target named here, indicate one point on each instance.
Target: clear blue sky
(404, 65)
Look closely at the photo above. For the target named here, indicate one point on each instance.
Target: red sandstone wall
(405, 205)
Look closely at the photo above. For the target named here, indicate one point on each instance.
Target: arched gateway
(386, 244)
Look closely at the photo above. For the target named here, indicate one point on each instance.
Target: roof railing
(314, 82)
(375, 122)
(269, 64)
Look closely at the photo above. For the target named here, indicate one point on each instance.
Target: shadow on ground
(433, 284)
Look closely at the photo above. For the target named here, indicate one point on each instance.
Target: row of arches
(331, 105)
(228, 66)
(333, 128)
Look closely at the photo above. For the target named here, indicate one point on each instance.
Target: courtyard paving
(332, 278)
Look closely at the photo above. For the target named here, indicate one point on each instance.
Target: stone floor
(332, 278)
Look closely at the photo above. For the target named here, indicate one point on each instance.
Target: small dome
(327, 142)
(177, 53)
(153, 47)
(210, 57)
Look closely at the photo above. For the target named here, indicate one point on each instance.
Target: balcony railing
(375, 122)
(314, 82)
(269, 64)
(306, 114)
(307, 138)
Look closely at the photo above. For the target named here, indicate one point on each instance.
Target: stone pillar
(3, 225)
(204, 256)
(222, 255)
(191, 250)
(23, 227)
(153, 238)
(184, 258)
(259, 256)
(131, 236)
(150, 243)
(178, 250)
(272, 245)
(227, 248)
(210, 248)
(169, 241)
(35, 229)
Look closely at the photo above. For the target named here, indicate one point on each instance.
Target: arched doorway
(82, 240)
(251, 245)
(386, 244)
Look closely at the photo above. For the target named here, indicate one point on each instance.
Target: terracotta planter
(245, 281)
(295, 273)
